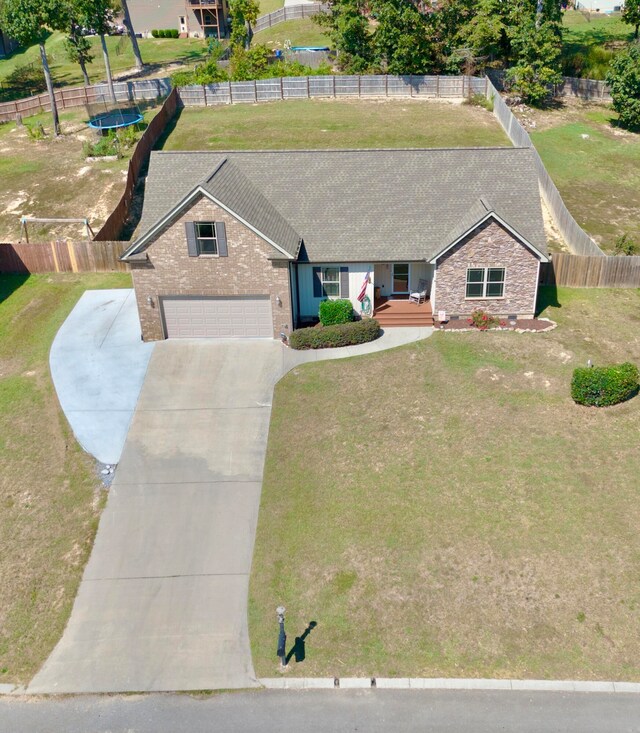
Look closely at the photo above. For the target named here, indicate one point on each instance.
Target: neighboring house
(250, 243)
(7, 45)
(600, 6)
(197, 18)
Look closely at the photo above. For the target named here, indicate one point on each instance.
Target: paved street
(328, 712)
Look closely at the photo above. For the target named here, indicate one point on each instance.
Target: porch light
(150, 301)
(278, 300)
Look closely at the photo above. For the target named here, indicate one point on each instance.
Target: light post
(282, 637)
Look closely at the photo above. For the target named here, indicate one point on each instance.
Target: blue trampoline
(114, 119)
(310, 48)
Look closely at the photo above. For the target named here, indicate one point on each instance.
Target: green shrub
(604, 386)
(36, 132)
(482, 320)
(479, 100)
(333, 312)
(29, 78)
(108, 145)
(173, 33)
(154, 33)
(343, 334)
(624, 245)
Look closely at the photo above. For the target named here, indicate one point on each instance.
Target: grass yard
(303, 32)
(268, 6)
(445, 509)
(156, 52)
(50, 178)
(589, 45)
(598, 176)
(308, 124)
(49, 490)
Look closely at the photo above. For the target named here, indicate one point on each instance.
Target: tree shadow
(298, 650)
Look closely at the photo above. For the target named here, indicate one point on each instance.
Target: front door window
(401, 277)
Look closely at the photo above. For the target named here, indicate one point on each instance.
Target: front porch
(401, 312)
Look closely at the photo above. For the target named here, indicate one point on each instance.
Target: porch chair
(420, 295)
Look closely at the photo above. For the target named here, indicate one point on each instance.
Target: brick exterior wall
(246, 271)
(488, 246)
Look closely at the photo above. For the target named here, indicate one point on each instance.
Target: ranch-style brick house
(247, 244)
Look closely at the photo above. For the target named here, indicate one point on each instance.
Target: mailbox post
(282, 637)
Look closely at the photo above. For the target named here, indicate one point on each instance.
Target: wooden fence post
(204, 94)
(438, 86)
(255, 90)
(411, 85)
(308, 89)
(334, 85)
(230, 93)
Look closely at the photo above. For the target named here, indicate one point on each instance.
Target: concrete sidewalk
(98, 363)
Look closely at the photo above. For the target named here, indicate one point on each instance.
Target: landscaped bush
(154, 33)
(482, 320)
(165, 33)
(343, 334)
(333, 312)
(604, 386)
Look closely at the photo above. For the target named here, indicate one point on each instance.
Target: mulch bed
(522, 325)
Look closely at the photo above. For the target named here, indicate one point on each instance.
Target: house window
(330, 278)
(485, 282)
(206, 238)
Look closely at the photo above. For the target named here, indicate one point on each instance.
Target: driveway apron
(163, 601)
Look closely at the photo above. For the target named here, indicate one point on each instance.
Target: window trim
(330, 282)
(208, 239)
(485, 282)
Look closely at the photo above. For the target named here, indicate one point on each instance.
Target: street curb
(428, 683)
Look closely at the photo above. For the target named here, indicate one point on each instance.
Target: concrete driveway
(98, 363)
(163, 600)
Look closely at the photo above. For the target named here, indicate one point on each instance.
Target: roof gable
(479, 213)
(230, 189)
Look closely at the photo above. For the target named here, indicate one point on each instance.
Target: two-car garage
(217, 317)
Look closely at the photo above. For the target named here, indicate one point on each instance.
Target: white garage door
(237, 317)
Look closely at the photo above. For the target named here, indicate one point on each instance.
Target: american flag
(363, 289)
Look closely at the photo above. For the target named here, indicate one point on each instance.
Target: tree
(536, 41)
(486, 33)
(78, 50)
(348, 28)
(402, 38)
(29, 22)
(132, 34)
(624, 84)
(243, 14)
(98, 16)
(631, 15)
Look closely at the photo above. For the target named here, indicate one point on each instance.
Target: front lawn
(315, 123)
(444, 509)
(49, 488)
(595, 166)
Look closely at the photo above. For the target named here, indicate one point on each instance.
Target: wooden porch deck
(400, 312)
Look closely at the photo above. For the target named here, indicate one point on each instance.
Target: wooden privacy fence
(62, 256)
(293, 12)
(578, 241)
(308, 87)
(113, 226)
(578, 271)
(68, 98)
(586, 89)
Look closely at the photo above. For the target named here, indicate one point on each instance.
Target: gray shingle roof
(360, 204)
